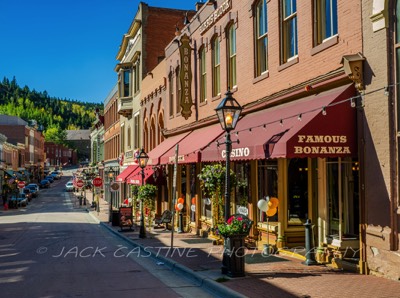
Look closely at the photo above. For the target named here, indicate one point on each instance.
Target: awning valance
(295, 129)
(161, 149)
(136, 176)
(190, 147)
(125, 173)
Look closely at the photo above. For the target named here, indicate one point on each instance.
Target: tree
(56, 135)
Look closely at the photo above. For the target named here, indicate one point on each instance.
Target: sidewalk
(266, 276)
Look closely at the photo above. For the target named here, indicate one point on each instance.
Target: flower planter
(234, 256)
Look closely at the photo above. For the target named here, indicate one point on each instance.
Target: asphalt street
(51, 249)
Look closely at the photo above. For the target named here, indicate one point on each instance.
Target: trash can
(115, 218)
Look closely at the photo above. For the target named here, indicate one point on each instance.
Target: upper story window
(326, 19)
(178, 91)
(126, 83)
(216, 63)
(171, 94)
(136, 74)
(136, 123)
(261, 26)
(232, 56)
(289, 30)
(203, 75)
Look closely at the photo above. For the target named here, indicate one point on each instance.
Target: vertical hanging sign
(186, 102)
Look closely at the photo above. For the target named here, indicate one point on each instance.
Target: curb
(204, 282)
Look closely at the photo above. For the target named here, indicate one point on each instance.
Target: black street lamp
(228, 112)
(143, 158)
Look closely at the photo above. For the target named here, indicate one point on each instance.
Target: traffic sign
(97, 182)
(21, 184)
(79, 183)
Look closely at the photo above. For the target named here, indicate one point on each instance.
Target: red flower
(229, 221)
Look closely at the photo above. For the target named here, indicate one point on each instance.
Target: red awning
(158, 151)
(125, 173)
(303, 132)
(136, 176)
(189, 147)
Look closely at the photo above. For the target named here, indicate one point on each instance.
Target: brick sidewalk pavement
(266, 276)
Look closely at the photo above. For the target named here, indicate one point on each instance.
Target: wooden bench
(166, 218)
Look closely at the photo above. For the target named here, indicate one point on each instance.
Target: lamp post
(110, 180)
(143, 158)
(228, 112)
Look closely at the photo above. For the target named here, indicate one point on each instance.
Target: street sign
(97, 182)
(21, 184)
(114, 186)
(79, 183)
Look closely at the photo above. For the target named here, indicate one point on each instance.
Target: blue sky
(67, 47)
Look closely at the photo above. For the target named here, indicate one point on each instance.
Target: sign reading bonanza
(186, 76)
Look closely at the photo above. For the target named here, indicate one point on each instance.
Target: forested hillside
(51, 112)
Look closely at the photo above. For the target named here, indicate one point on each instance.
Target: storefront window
(342, 198)
(297, 191)
(267, 184)
(242, 190)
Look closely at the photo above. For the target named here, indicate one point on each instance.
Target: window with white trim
(326, 20)
(261, 27)
(289, 30)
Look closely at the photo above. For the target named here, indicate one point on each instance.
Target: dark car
(44, 183)
(51, 179)
(28, 194)
(32, 190)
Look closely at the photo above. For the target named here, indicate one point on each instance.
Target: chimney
(199, 5)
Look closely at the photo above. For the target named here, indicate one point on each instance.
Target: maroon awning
(312, 134)
(167, 144)
(136, 176)
(189, 147)
(125, 173)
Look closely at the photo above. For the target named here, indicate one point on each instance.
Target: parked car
(55, 174)
(34, 185)
(69, 186)
(32, 190)
(19, 200)
(44, 183)
(51, 179)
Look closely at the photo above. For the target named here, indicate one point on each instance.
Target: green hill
(51, 112)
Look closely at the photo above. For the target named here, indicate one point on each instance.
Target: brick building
(142, 48)
(58, 155)
(379, 129)
(298, 130)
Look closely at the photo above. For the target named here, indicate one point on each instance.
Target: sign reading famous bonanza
(336, 145)
(185, 51)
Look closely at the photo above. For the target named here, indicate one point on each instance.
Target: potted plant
(212, 182)
(147, 193)
(234, 232)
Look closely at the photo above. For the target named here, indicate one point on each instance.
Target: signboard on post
(21, 184)
(114, 187)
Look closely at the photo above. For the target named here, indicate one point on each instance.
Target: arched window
(261, 34)
(231, 45)
(216, 67)
(203, 74)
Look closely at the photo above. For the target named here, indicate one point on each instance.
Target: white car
(34, 185)
(69, 186)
